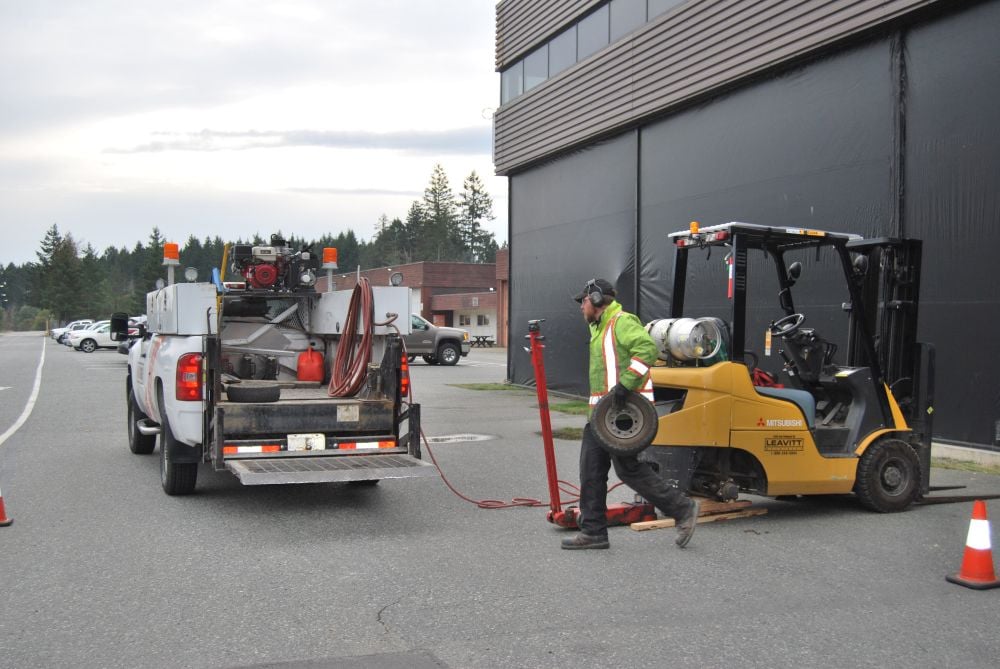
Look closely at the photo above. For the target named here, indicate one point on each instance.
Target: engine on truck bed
(275, 267)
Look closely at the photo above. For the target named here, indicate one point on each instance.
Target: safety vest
(621, 351)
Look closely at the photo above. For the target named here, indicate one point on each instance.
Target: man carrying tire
(621, 353)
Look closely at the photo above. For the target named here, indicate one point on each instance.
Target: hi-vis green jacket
(621, 351)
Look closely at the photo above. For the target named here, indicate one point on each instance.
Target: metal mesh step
(264, 471)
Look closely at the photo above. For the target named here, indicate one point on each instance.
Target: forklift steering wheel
(786, 325)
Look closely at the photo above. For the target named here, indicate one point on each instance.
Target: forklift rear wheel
(888, 476)
(625, 431)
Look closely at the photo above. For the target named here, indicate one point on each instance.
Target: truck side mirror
(119, 326)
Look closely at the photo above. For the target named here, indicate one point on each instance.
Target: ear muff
(594, 293)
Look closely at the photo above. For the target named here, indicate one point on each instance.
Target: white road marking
(31, 400)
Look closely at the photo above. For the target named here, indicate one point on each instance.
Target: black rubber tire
(627, 431)
(177, 478)
(88, 346)
(448, 354)
(138, 443)
(430, 359)
(258, 392)
(888, 478)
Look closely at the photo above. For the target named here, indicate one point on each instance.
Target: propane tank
(310, 366)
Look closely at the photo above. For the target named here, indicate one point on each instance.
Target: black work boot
(581, 541)
(687, 524)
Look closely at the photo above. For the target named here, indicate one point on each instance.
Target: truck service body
(238, 377)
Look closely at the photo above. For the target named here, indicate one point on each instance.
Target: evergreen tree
(63, 282)
(150, 267)
(95, 298)
(476, 207)
(441, 239)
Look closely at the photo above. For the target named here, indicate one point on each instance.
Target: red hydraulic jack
(618, 514)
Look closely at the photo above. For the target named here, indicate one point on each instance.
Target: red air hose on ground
(350, 365)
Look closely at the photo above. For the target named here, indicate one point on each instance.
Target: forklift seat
(802, 398)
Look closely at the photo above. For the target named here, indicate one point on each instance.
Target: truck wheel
(177, 478)
(258, 392)
(138, 443)
(888, 478)
(88, 346)
(430, 359)
(448, 354)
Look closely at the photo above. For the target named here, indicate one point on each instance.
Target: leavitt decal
(783, 444)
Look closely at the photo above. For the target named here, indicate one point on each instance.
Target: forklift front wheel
(888, 477)
(625, 431)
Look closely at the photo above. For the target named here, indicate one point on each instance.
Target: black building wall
(892, 136)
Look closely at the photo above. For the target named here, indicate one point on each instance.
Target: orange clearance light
(330, 258)
(171, 252)
(693, 227)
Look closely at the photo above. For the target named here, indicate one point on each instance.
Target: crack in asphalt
(378, 616)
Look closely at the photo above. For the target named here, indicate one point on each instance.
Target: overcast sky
(235, 117)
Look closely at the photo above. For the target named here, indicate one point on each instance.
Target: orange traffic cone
(4, 520)
(977, 564)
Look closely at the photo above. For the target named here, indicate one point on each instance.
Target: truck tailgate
(264, 471)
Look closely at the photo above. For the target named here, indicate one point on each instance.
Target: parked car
(59, 333)
(436, 344)
(88, 341)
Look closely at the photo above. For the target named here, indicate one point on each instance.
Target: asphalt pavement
(101, 569)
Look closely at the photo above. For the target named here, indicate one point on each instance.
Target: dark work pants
(595, 463)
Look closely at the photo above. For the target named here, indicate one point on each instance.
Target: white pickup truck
(219, 374)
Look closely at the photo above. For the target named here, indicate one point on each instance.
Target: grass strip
(962, 465)
(575, 407)
(487, 386)
(568, 433)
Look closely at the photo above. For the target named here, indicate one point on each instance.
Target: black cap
(596, 286)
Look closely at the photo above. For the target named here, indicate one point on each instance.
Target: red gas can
(310, 367)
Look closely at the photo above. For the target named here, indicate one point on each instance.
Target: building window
(536, 67)
(626, 16)
(464, 319)
(611, 21)
(592, 33)
(512, 82)
(657, 7)
(562, 51)
(475, 301)
(482, 319)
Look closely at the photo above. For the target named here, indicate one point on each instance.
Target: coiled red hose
(350, 365)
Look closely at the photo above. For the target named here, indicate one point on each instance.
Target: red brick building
(471, 296)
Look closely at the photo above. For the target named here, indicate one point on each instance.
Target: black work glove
(619, 396)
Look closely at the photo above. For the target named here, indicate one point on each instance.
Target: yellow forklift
(822, 423)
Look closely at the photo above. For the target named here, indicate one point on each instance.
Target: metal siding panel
(524, 24)
(703, 46)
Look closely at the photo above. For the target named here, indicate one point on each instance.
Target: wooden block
(712, 506)
(670, 522)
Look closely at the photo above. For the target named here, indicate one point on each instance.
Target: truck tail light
(189, 378)
(404, 376)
